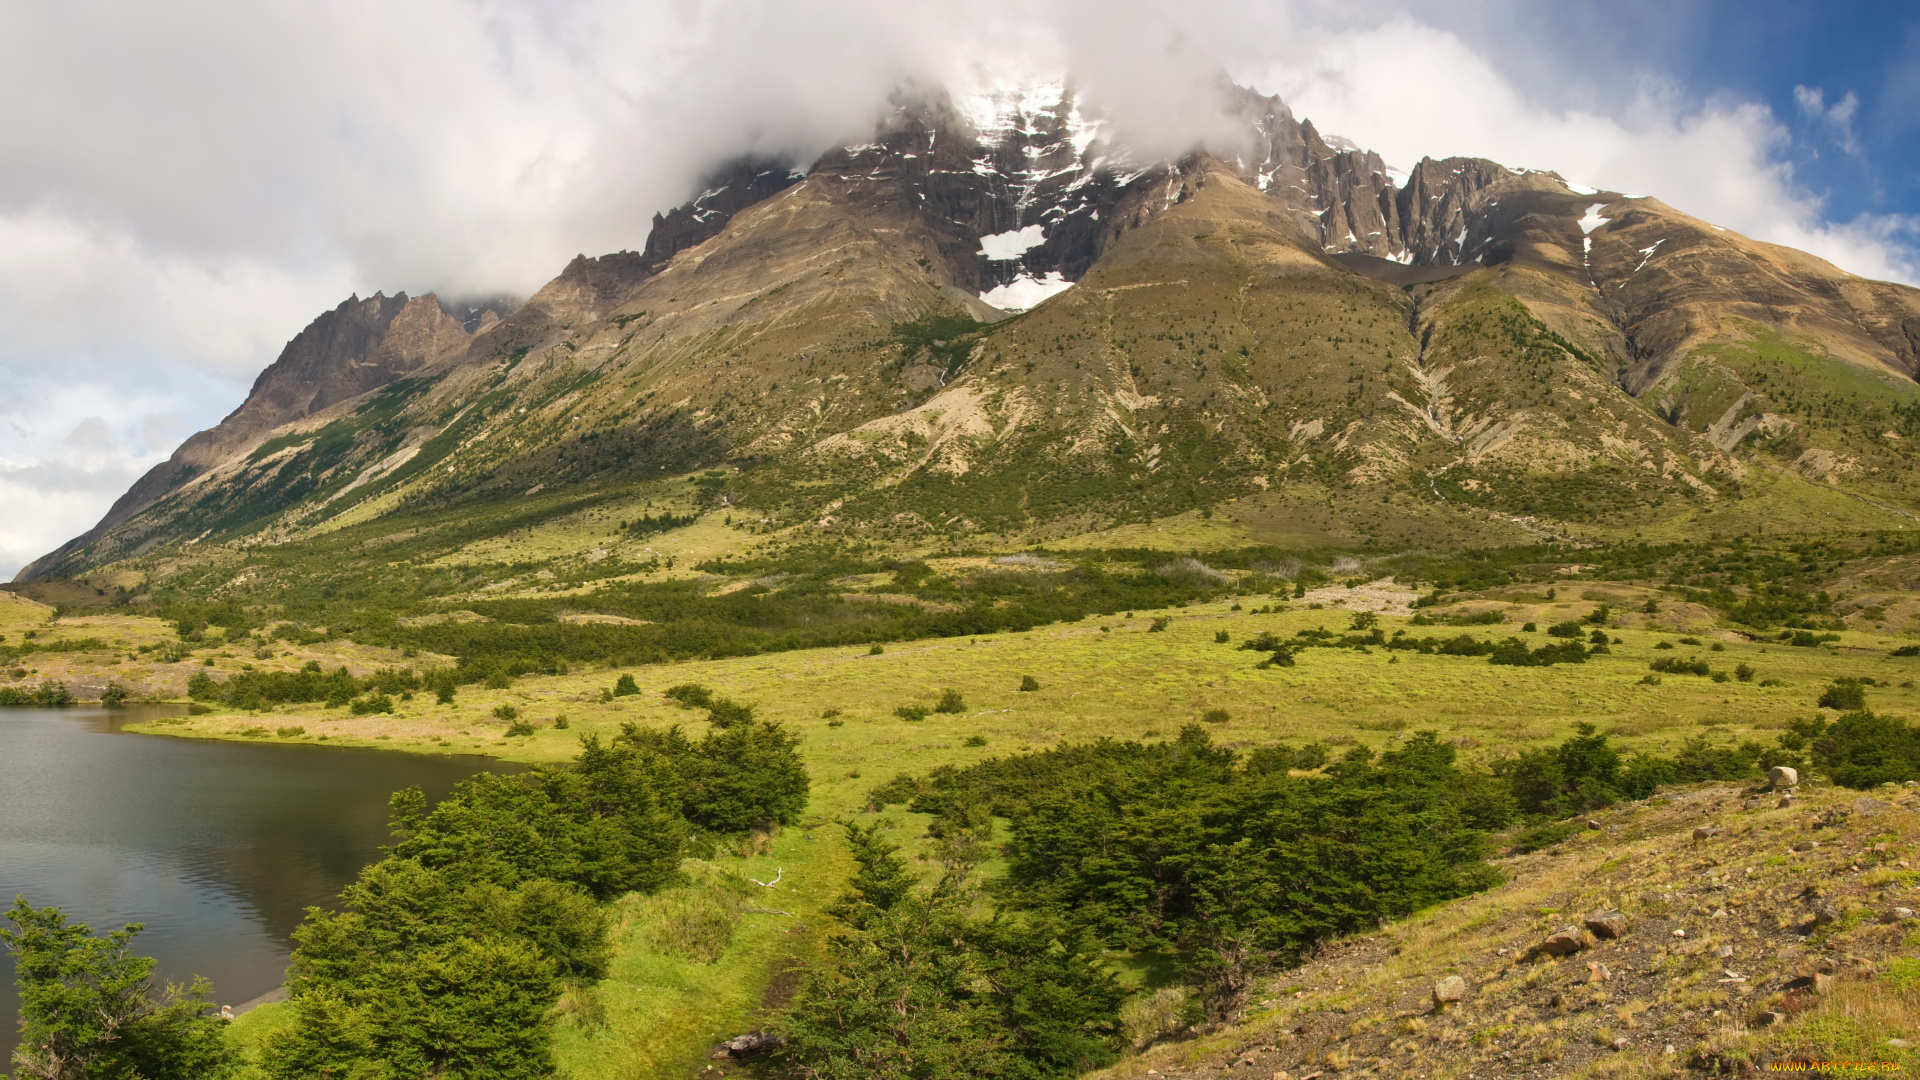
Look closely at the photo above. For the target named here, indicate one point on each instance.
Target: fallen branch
(769, 884)
(767, 911)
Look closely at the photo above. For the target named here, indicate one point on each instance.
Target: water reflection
(218, 848)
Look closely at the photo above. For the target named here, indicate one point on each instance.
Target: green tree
(417, 977)
(88, 1009)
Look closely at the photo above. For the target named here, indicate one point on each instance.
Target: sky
(184, 186)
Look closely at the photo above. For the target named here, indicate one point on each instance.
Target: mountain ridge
(1489, 338)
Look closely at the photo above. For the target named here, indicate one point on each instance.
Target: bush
(1862, 749)
(1906, 650)
(1743, 672)
(1528, 628)
(913, 714)
(1028, 684)
(372, 703)
(560, 722)
(625, 685)
(290, 732)
(950, 702)
(687, 695)
(114, 695)
(91, 1000)
(1844, 695)
(1160, 624)
(974, 740)
(723, 713)
(505, 712)
(1216, 716)
(1569, 629)
(519, 728)
(1673, 665)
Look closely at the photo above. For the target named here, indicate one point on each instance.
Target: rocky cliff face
(359, 346)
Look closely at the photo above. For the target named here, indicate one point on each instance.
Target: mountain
(991, 321)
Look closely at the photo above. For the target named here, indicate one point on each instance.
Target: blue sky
(1759, 50)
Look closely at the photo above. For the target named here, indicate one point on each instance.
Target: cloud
(193, 182)
(1837, 117)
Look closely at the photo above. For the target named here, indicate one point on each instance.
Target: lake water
(217, 847)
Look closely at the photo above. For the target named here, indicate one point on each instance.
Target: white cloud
(1411, 91)
(183, 186)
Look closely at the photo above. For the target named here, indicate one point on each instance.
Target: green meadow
(716, 957)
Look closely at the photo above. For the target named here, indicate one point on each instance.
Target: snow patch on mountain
(1026, 291)
(1012, 244)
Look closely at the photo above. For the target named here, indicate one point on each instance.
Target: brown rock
(1598, 973)
(1450, 989)
(1564, 941)
(1607, 924)
(1783, 776)
(1706, 832)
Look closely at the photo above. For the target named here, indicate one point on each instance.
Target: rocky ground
(1719, 929)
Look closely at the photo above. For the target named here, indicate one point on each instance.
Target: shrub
(1216, 716)
(974, 740)
(1569, 629)
(1599, 616)
(913, 713)
(290, 732)
(625, 685)
(1906, 650)
(372, 703)
(875, 651)
(690, 695)
(723, 713)
(829, 713)
(1663, 644)
(1844, 695)
(1029, 684)
(1160, 624)
(91, 1000)
(519, 728)
(1862, 749)
(950, 702)
(1221, 637)
(499, 680)
(1528, 628)
(505, 712)
(1743, 672)
(1673, 665)
(114, 695)
(560, 722)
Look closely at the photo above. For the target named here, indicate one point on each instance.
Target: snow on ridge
(1012, 244)
(1026, 291)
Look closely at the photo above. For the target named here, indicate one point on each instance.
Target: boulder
(1806, 845)
(1866, 806)
(1564, 941)
(1769, 1019)
(752, 1044)
(1607, 924)
(1449, 990)
(1598, 973)
(1706, 831)
(1783, 776)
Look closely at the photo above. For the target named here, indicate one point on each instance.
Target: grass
(682, 982)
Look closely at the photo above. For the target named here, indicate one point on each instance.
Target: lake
(218, 847)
